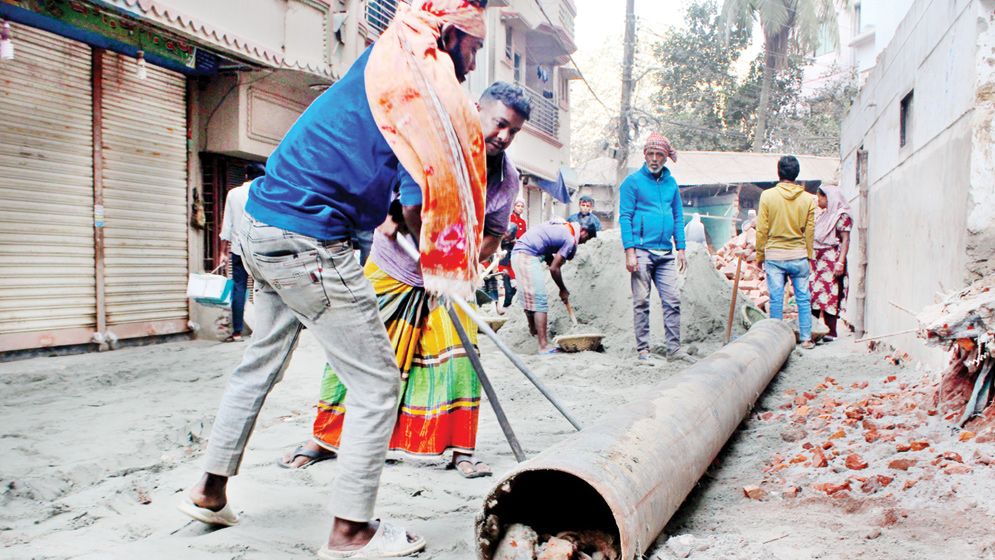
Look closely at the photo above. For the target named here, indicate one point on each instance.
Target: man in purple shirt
(504, 108)
(556, 240)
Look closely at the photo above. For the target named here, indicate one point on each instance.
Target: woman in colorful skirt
(832, 241)
(440, 393)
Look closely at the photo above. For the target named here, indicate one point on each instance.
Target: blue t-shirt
(332, 172)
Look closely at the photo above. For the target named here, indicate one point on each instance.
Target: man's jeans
(301, 281)
(798, 271)
(662, 271)
(240, 278)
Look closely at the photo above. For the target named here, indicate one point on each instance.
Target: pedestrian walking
(231, 251)
(785, 235)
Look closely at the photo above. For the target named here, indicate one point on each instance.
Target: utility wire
(572, 61)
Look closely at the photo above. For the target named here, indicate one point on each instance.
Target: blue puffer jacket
(650, 211)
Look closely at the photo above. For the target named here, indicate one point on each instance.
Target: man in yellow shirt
(785, 234)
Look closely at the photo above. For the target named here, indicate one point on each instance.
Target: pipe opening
(551, 502)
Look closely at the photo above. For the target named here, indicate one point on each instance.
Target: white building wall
(921, 195)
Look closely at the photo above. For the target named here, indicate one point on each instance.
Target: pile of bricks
(868, 440)
(752, 280)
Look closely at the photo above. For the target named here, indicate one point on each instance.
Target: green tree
(790, 27)
(696, 79)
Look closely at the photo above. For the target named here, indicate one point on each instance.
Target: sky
(599, 19)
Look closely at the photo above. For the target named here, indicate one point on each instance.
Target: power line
(572, 61)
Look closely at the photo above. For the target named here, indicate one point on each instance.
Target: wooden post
(860, 295)
(732, 301)
(97, 93)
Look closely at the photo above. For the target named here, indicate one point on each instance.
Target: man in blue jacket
(651, 217)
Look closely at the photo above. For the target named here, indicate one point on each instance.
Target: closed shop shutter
(145, 197)
(47, 283)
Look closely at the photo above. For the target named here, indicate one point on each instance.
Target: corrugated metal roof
(716, 168)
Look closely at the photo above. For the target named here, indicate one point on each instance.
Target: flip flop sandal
(390, 541)
(233, 338)
(474, 462)
(314, 456)
(548, 351)
(224, 518)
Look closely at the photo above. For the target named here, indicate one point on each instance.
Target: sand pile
(601, 295)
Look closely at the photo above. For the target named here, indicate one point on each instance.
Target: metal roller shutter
(145, 198)
(47, 282)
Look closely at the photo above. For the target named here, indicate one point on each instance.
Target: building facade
(919, 167)
(126, 122)
(529, 43)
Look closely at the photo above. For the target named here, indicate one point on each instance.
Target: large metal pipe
(627, 473)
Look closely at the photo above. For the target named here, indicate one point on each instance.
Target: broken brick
(819, 458)
(790, 492)
(902, 447)
(901, 464)
(837, 434)
(957, 469)
(753, 492)
(793, 434)
(798, 459)
(830, 488)
(884, 480)
(827, 445)
(807, 445)
(870, 436)
(919, 445)
(909, 484)
(799, 401)
(808, 395)
(952, 456)
(855, 462)
(965, 436)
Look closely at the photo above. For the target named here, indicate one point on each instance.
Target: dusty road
(97, 448)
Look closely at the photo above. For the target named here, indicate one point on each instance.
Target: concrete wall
(922, 195)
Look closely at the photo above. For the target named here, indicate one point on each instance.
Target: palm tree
(789, 26)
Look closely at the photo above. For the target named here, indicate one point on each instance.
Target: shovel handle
(570, 312)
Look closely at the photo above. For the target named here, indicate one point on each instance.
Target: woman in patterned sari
(832, 241)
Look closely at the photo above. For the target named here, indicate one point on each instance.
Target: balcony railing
(379, 14)
(545, 114)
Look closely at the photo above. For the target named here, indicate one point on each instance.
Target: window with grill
(379, 14)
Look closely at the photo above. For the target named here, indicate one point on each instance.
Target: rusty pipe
(628, 473)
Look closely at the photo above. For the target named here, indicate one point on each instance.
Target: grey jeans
(301, 281)
(662, 271)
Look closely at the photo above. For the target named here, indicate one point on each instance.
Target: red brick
(901, 464)
(753, 492)
(855, 462)
(819, 458)
(951, 456)
(957, 469)
(919, 445)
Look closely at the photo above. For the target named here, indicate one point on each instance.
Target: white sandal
(225, 517)
(390, 541)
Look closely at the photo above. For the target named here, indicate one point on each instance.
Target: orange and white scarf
(434, 130)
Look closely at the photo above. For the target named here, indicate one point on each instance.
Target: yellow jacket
(785, 223)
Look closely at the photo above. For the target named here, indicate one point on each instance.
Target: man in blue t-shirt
(330, 176)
